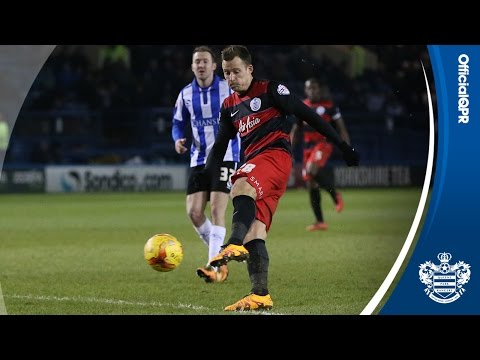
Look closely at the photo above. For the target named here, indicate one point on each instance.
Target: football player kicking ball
(258, 110)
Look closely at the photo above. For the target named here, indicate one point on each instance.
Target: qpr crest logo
(283, 90)
(255, 104)
(320, 110)
(444, 281)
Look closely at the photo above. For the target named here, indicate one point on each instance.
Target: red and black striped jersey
(260, 116)
(328, 111)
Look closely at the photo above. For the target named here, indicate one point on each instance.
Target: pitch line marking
(3, 308)
(123, 302)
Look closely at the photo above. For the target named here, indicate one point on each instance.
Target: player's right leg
(197, 197)
(218, 206)
(315, 203)
(267, 174)
(311, 170)
(244, 211)
(213, 275)
(195, 205)
(325, 178)
(219, 199)
(252, 302)
(257, 264)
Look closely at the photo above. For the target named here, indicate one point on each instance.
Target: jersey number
(226, 173)
(246, 168)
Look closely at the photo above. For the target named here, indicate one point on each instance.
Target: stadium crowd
(120, 76)
(113, 83)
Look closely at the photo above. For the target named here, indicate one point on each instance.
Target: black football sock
(315, 203)
(325, 178)
(257, 265)
(333, 194)
(244, 212)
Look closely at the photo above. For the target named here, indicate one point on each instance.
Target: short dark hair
(204, 48)
(232, 51)
(315, 80)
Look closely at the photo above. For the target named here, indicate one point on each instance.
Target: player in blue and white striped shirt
(198, 105)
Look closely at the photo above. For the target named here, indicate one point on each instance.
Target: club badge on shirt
(283, 90)
(255, 104)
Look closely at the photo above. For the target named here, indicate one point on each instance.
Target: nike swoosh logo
(234, 113)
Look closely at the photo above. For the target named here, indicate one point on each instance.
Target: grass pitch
(83, 254)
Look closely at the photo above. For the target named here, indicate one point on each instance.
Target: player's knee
(218, 215)
(242, 187)
(195, 215)
(311, 184)
(257, 231)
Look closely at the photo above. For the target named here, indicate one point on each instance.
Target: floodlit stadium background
(91, 172)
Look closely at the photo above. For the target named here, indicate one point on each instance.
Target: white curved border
(20, 65)
(423, 199)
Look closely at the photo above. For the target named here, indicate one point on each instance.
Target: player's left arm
(337, 117)
(296, 131)
(292, 104)
(342, 129)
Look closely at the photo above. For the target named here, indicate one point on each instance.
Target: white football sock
(204, 231)
(217, 236)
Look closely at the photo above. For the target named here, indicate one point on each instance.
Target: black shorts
(220, 182)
